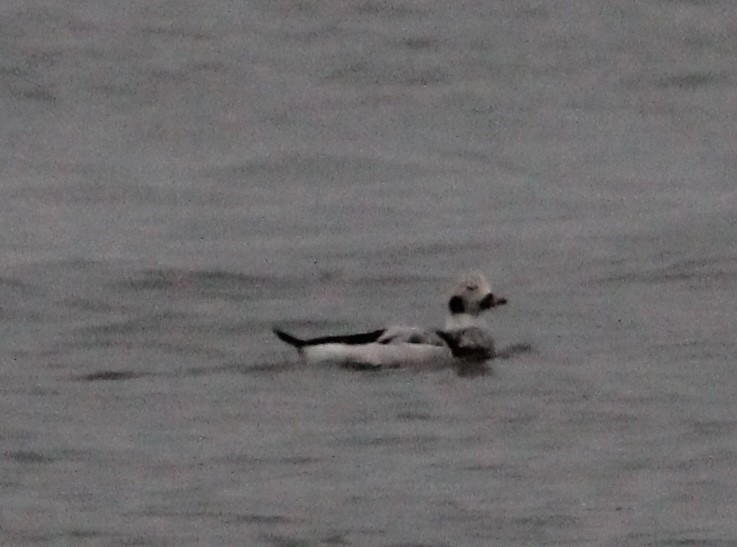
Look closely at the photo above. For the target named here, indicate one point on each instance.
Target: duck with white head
(465, 336)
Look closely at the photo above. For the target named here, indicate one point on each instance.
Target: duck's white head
(470, 296)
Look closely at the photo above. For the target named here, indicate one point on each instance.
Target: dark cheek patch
(456, 305)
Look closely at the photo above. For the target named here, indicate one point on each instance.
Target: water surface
(175, 178)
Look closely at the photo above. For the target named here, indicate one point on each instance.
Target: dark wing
(410, 335)
(350, 339)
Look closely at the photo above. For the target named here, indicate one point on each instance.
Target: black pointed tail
(289, 339)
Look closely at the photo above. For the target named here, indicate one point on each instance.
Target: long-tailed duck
(465, 336)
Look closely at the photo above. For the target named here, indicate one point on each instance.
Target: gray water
(178, 176)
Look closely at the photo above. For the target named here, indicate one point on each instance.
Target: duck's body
(378, 355)
(465, 337)
(384, 348)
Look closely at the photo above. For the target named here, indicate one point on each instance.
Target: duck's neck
(456, 321)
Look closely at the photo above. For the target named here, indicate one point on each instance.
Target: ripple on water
(720, 269)
(111, 376)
